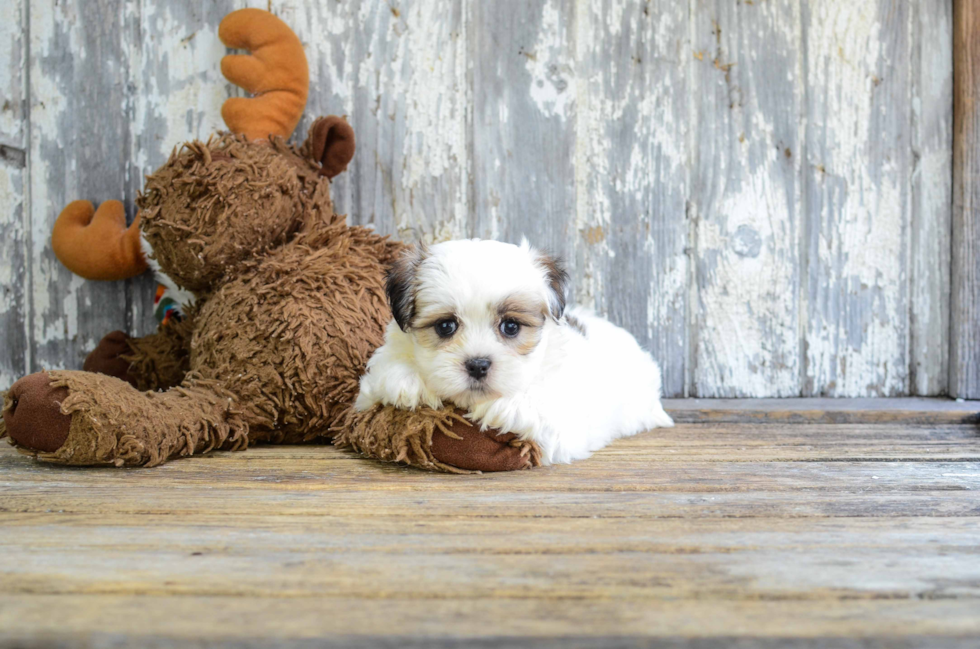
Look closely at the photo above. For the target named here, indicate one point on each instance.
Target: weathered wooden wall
(759, 190)
(964, 375)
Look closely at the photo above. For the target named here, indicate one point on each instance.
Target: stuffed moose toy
(283, 302)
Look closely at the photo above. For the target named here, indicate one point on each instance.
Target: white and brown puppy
(482, 325)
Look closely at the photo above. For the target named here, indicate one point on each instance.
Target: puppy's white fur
(570, 382)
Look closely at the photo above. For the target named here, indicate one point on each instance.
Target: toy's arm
(155, 362)
(96, 244)
(437, 440)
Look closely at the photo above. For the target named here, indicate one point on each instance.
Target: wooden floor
(741, 523)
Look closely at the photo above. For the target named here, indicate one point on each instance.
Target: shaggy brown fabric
(107, 357)
(438, 440)
(292, 334)
(112, 423)
(32, 413)
(290, 304)
(161, 360)
(393, 435)
(290, 307)
(216, 204)
(155, 362)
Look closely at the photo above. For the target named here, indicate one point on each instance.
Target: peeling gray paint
(14, 207)
(760, 192)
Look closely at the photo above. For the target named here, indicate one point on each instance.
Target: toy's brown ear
(331, 143)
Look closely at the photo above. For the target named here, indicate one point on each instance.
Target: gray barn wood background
(760, 190)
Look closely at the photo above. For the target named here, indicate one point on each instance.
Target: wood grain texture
(535, 560)
(932, 182)
(14, 197)
(524, 117)
(857, 178)
(748, 200)
(774, 534)
(326, 31)
(411, 111)
(761, 192)
(632, 173)
(81, 115)
(964, 364)
(873, 410)
(313, 622)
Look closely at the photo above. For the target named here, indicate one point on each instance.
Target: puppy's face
(478, 313)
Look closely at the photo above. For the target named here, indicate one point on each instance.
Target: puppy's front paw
(511, 415)
(401, 389)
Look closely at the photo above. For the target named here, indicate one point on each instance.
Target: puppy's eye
(510, 328)
(446, 328)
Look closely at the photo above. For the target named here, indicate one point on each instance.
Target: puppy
(482, 325)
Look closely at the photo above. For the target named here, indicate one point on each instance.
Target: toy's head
(216, 204)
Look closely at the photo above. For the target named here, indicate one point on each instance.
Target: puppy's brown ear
(402, 284)
(557, 279)
(331, 143)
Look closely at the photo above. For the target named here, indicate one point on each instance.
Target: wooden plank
(326, 31)
(853, 411)
(930, 464)
(632, 173)
(932, 176)
(14, 197)
(701, 574)
(719, 559)
(786, 535)
(856, 174)
(81, 93)
(949, 500)
(410, 114)
(748, 199)
(964, 344)
(474, 535)
(610, 472)
(104, 621)
(524, 117)
(614, 484)
(474, 121)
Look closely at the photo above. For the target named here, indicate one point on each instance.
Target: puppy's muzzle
(478, 367)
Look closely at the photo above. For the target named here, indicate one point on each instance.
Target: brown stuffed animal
(288, 301)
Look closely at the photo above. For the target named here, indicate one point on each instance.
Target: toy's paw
(483, 451)
(32, 414)
(107, 357)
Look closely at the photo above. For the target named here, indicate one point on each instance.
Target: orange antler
(275, 72)
(97, 244)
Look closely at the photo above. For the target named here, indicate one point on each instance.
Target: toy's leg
(86, 419)
(155, 362)
(439, 440)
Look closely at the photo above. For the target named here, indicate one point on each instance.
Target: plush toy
(283, 303)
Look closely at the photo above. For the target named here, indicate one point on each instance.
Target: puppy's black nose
(478, 367)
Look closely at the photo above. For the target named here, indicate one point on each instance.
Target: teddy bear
(283, 302)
